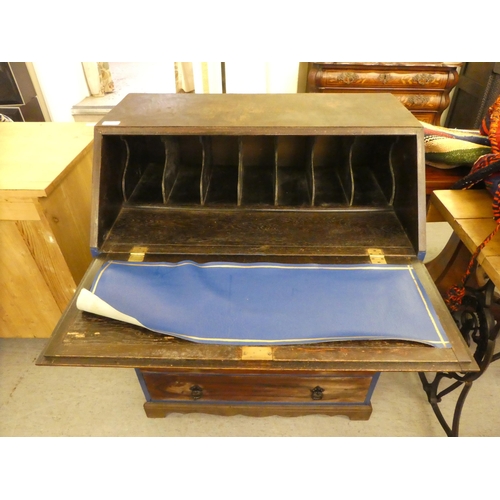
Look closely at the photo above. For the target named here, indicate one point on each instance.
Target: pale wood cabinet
(45, 192)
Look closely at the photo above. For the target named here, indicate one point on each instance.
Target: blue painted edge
(94, 252)
(421, 255)
(143, 385)
(372, 388)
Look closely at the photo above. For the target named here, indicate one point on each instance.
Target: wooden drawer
(419, 101)
(412, 100)
(362, 79)
(262, 388)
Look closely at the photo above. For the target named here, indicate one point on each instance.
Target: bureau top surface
(259, 113)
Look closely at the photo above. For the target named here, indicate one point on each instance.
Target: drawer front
(272, 388)
(420, 101)
(412, 100)
(361, 79)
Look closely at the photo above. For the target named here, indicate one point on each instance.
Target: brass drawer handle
(196, 391)
(317, 393)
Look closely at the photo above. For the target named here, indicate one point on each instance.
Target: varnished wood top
(470, 214)
(468, 204)
(34, 157)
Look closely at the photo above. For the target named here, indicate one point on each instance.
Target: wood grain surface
(45, 185)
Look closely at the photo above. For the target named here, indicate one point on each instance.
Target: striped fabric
(487, 167)
(449, 148)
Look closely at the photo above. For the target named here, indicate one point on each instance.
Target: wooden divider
(284, 171)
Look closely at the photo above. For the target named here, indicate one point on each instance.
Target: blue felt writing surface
(266, 303)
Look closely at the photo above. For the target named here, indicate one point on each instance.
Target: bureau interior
(329, 173)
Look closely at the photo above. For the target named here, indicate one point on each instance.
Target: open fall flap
(266, 303)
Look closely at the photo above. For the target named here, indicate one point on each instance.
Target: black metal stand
(477, 324)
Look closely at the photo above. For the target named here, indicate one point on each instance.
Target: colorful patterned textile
(487, 169)
(449, 148)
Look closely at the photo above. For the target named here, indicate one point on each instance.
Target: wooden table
(470, 215)
(45, 186)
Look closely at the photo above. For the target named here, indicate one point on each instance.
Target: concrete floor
(60, 401)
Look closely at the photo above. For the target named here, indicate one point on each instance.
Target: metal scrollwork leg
(477, 324)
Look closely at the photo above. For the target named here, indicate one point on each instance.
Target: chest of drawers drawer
(233, 391)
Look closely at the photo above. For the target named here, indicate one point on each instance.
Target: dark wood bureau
(287, 179)
(423, 88)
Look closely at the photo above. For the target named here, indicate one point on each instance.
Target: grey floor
(49, 401)
(59, 401)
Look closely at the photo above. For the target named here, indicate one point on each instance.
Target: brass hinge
(254, 353)
(376, 256)
(137, 254)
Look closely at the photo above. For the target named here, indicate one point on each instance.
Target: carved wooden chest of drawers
(423, 88)
(292, 180)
